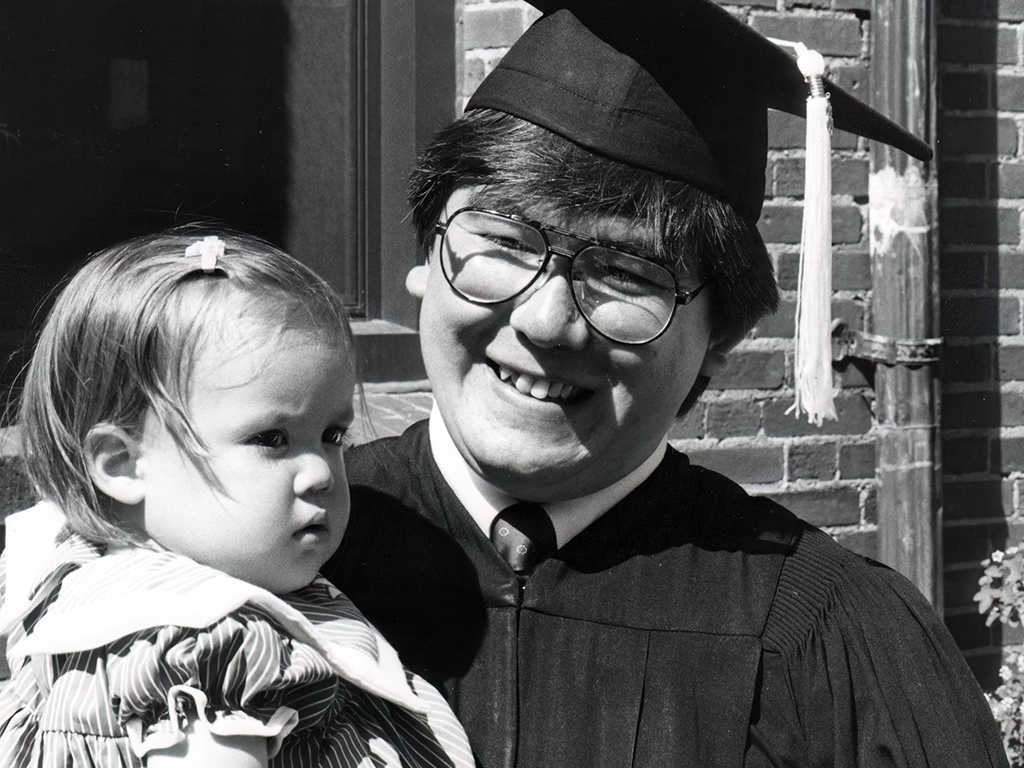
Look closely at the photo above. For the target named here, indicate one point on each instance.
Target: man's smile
(538, 387)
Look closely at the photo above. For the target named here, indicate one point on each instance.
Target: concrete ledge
(387, 352)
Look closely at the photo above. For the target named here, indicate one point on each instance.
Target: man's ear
(416, 281)
(714, 358)
(113, 459)
(714, 361)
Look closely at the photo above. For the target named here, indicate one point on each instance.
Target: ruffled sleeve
(249, 677)
(109, 650)
(859, 671)
(113, 704)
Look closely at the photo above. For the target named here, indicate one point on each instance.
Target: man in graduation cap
(582, 593)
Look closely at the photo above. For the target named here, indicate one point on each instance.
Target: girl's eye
(270, 439)
(335, 435)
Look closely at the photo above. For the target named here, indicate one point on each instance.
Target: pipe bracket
(882, 349)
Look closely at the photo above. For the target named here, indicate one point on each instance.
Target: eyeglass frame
(681, 299)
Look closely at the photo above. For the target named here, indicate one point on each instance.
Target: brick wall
(981, 196)
(827, 475)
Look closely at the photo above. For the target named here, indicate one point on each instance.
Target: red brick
(964, 180)
(856, 461)
(1009, 94)
(492, 27)
(969, 631)
(984, 665)
(750, 465)
(830, 36)
(850, 311)
(852, 5)
(962, 270)
(690, 426)
(787, 175)
(1011, 635)
(847, 224)
(979, 315)
(1007, 272)
(779, 325)
(781, 223)
(824, 4)
(969, 364)
(1008, 455)
(787, 275)
(812, 461)
(1010, 362)
(852, 78)
(784, 224)
(1003, 10)
(473, 73)
(1009, 316)
(786, 131)
(965, 135)
(967, 44)
(864, 543)
(851, 271)
(741, 419)
(964, 455)
(961, 586)
(972, 543)
(1011, 10)
(822, 506)
(1011, 409)
(974, 500)
(970, 410)
(964, 90)
(1009, 180)
(853, 411)
(870, 502)
(979, 225)
(752, 370)
(849, 177)
(970, 9)
(782, 324)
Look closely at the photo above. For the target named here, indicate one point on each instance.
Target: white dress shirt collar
(484, 501)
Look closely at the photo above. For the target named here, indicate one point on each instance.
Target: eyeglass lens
(489, 258)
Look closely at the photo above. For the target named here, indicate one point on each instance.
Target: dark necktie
(524, 536)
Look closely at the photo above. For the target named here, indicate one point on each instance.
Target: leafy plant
(1001, 598)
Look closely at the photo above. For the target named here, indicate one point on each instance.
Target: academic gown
(690, 625)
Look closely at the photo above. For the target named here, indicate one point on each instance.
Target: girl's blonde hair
(124, 335)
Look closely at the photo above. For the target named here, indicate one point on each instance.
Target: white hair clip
(210, 249)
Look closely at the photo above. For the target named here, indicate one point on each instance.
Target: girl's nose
(314, 475)
(548, 315)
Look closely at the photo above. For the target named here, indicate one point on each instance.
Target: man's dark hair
(530, 171)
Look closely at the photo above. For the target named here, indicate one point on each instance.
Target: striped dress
(109, 652)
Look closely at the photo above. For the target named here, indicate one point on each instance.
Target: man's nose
(548, 315)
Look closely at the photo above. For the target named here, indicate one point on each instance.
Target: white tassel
(813, 343)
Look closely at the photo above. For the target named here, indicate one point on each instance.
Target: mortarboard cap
(681, 87)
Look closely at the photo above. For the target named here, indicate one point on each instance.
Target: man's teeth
(542, 389)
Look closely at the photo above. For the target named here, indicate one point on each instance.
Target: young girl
(184, 418)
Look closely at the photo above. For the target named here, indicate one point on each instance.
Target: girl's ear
(113, 459)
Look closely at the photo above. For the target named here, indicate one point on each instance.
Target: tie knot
(524, 536)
